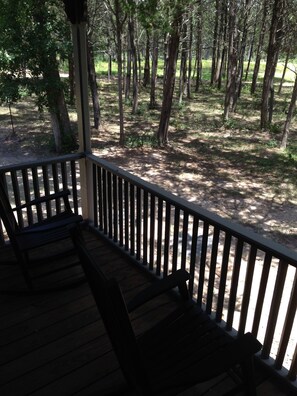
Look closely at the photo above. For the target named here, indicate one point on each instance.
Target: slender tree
(198, 46)
(275, 40)
(118, 19)
(147, 69)
(173, 45)
(32, 31)
(183, 59)
(289, 118)
(155, 53)
(91, 17)
(260, 46)
(284, 72)
(232, 61)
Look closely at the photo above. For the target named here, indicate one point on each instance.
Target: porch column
(76, 12)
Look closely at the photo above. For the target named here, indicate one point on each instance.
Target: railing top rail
(50, 160)
(237, 230)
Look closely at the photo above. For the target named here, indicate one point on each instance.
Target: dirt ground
(206, 171)
(220, 188)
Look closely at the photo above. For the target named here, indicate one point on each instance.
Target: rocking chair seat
(47, 231)
(44, 231)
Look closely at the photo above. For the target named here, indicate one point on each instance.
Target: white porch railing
(246, 282)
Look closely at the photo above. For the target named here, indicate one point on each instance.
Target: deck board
(55, 343)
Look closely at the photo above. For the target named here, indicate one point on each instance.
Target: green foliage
(230, 123)
(9, 89)
(136, 141)
(274, 128)
(33, 34)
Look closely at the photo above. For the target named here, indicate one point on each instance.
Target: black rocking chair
(180, 351)
(46, 231)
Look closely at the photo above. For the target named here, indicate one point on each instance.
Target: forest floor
(233, 169)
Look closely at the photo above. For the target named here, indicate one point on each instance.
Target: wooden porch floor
(55, 343)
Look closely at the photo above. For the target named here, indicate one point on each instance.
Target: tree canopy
(236, 37)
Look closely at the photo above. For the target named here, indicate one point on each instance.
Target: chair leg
(248, 373)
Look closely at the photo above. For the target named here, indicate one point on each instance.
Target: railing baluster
(234, 284)
(292, 374)
(194, 243)
(56, 186)
(223, 277)
(167, 238)
(145, 226)
(17, 199)
(109, 205)
(46, 188)
(100, 196)
(184, 240)
(104, 200)
(115, 207)
(26, 186)
(275, 304)
(138, 223)
(212, 269)
(95, 195)
(175, 239)
(74, 186)
(288, 324)
(127, 220)
(261, 294)
(121, 211)
(247, 289)
(37, 192)
(132, 219)
(152, 232)
(159, 238)
(202, 263)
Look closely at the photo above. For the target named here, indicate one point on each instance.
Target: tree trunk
(135, 67)
(220, 43)
(252, 42)
(232, 62)
(246, 13)
(276, 34)
(284, 72)
(259, 48)
(222, 71)
(183, 62)
(63, 134)
(146, 72)
(118, 12)
(189, 78)
(173, 45)
(215, 42)
(155, 53)
(93, 84)
(71, 79)
(128, 69)
(110, 57)
(290, 114)
(166, 50)
(56, 130)
(198, 48)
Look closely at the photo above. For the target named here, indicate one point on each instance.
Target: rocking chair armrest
(176, 279)
(46, 198)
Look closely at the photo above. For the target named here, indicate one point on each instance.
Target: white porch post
(75, 11)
